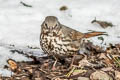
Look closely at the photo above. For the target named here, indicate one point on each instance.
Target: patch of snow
(5, 72)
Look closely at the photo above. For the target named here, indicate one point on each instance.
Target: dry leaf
(103, 24)
(63, 8)
(13, 65)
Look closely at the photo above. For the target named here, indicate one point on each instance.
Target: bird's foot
(53, 67)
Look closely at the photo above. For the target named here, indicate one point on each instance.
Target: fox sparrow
(59, 40)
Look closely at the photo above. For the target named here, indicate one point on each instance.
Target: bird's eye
(46, 25)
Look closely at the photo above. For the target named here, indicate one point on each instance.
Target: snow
(20, 25)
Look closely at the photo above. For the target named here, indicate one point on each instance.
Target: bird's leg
(72, 67)
(72, 61)
(53, 67)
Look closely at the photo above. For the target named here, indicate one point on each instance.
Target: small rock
(83, 78)
(100, 75)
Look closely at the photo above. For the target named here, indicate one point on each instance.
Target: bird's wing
(76, 35)
(73, 34)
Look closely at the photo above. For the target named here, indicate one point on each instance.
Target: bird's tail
(94, 33)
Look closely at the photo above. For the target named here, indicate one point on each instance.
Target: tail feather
(92, 34)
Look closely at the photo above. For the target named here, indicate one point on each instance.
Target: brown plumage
(59, 40)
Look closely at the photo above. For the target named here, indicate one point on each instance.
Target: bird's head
(51, 23)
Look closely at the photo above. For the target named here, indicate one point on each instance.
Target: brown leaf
(63, 8)
(12, 64)
(103, 24)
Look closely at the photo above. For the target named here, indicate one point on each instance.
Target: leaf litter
(96, 59)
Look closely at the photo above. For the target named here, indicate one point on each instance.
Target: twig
(24, 4)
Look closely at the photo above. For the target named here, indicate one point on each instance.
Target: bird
(61, 41)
